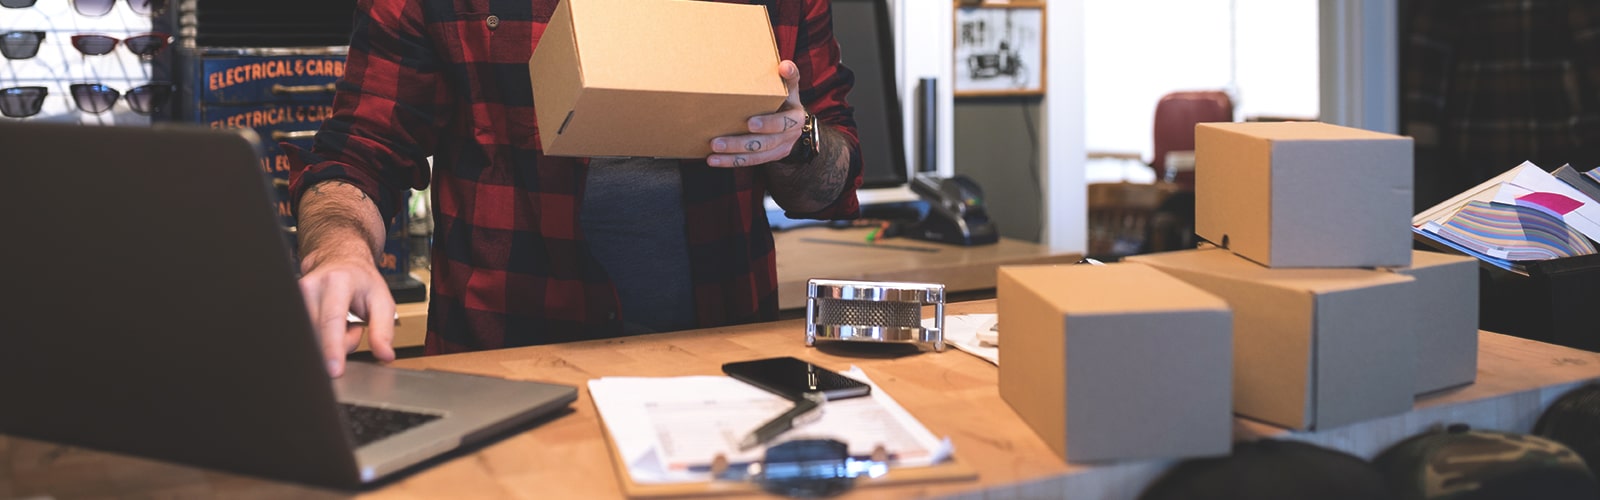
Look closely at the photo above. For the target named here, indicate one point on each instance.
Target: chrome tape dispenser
(873, 311)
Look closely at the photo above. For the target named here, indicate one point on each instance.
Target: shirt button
(492, 21)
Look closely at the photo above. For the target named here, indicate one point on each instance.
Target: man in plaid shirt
(533, 249)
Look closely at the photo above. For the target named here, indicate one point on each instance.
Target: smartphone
(792, 378)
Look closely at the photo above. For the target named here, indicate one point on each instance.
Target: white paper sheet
(668, 429)
(1523, 180)
(962, 331)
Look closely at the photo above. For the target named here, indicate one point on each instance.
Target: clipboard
(702, 426)
(950, 470)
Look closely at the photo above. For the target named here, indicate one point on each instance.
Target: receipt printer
(956, 213)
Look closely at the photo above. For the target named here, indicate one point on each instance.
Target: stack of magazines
(1522, 215)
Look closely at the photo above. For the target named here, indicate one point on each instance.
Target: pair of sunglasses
(98, 98)
(25, 44)
(146, 45)
(17, 4)
(97, 8)
(20, 44)
(22, 102)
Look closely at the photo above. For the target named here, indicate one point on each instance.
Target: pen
(782, 423)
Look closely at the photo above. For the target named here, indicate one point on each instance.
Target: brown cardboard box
(1116, 362)
(1304, 194)
(1312, 348)
(1446, 317)
(651, 78)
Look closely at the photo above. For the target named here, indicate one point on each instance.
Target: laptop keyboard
(370, 423)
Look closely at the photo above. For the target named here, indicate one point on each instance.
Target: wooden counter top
(845, 254)
(954, 394)
(841, 254)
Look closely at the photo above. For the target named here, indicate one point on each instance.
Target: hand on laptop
(336, 286)
(341, 234)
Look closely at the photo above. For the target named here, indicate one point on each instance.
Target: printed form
(669, 429)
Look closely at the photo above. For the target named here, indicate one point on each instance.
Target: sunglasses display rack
(93, 62)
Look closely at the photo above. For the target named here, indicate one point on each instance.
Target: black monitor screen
(866, 43)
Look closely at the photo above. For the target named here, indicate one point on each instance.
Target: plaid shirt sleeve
(824, 82)
(389, 108)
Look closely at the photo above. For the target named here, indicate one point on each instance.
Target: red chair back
(1176, 115)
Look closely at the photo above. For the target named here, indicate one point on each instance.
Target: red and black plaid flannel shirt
(510, 265)
(1488, 84)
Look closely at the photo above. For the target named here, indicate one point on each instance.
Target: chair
(1172, 223)
(1176, 115)
(1119, 218)
(1131, 218)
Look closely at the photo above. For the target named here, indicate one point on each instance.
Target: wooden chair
(1130, 218)
(1120, 217)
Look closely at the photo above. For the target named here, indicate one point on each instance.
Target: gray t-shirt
(632, 217)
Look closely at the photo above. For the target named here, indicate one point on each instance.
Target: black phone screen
(792, 377)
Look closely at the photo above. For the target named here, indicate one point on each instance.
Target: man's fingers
(749, 150)
(329, 333)
(380, 329)
(352, 336)
(333, 346)
(330, 316)
(791, 80)
(785, 121)
(753, 143)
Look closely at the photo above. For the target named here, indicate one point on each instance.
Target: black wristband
(808, 146)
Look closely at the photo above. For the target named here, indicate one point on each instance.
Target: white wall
(1109, 61)
(1264, 52)
(1065, 124)
(1360, 61)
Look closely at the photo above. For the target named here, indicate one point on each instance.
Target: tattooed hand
(771, 136)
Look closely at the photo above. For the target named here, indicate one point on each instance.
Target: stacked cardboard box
(1116, 362)
(1337, 319)
(1332, 317)
(1313, 347)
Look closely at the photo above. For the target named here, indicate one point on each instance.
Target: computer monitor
(867, 45)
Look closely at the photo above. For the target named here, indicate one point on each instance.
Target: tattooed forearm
(325, 187)
(834, 167)
(810, 187)
(331, 212)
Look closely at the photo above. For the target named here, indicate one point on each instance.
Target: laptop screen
(159, 313)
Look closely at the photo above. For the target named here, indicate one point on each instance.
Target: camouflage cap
(1459, 463)
(1271, 469)
(1574, 420)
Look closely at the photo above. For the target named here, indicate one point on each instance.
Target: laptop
(155, 312)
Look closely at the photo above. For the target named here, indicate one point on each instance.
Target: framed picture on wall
(999, 48)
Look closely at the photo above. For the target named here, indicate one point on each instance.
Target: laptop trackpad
(465, 406)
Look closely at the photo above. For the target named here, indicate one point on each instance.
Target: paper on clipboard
(668, 429)
(1523, 185)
